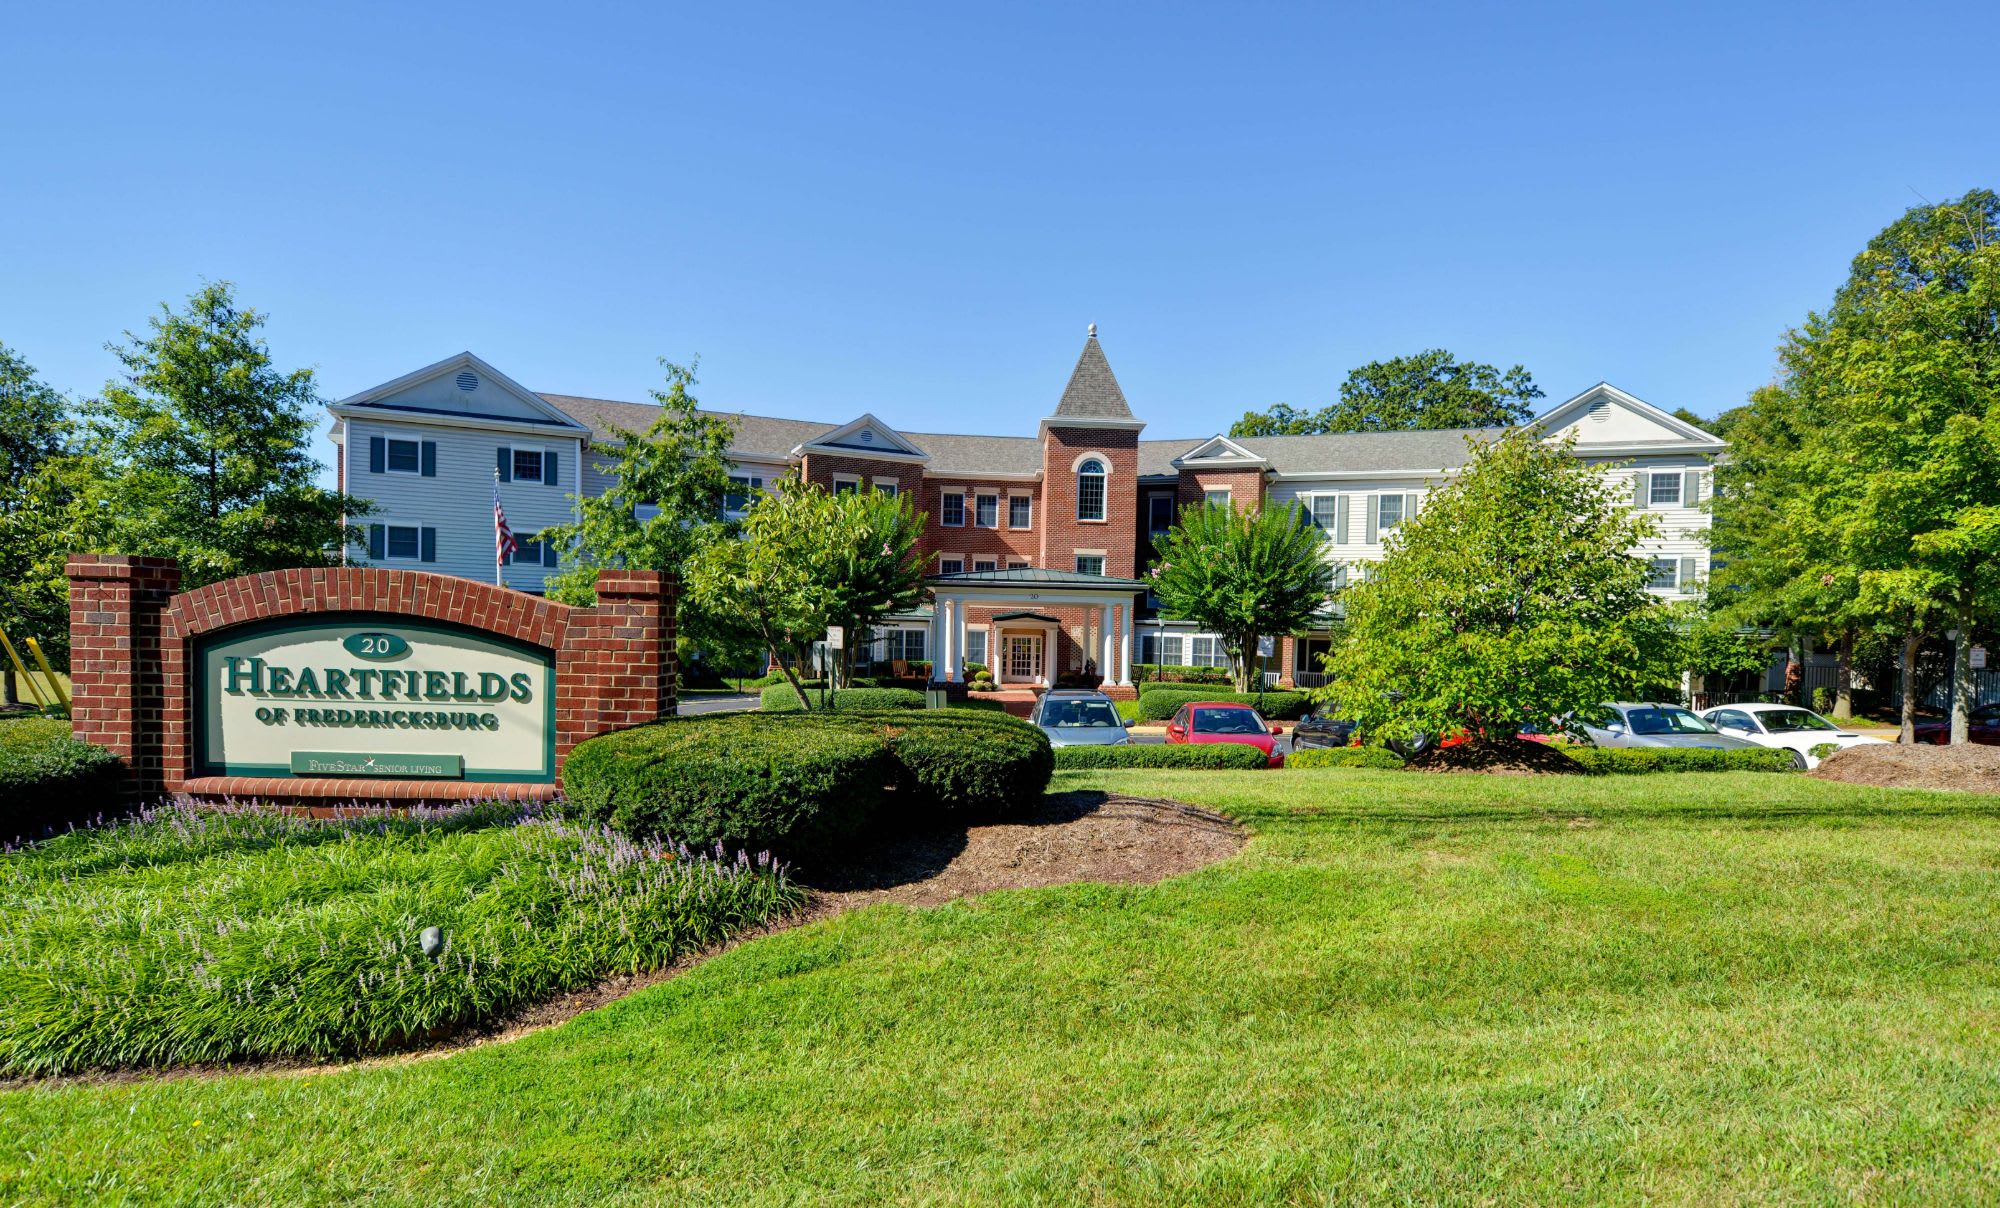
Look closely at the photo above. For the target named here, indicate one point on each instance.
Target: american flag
(503, 537)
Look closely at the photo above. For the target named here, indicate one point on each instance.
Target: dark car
(1983, 727)
(1322, 730)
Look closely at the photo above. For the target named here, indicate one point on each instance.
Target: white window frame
(1158, 497)
(1028, 503)
(1332, 502)
(1018, 564)
(1383, 525)
(1653, 478)
(751, 484)
(1103, 477)
(389, 542)
(943, 558)
(852, 481)
(514, 457)
(1090, 553)
(944, 508)
(389, 444)
(982, 565)
(1673, 573)
(888, 486)
(979, 502)
(1208, 497)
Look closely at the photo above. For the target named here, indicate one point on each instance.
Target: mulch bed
(1505, 757)
(1970, 768)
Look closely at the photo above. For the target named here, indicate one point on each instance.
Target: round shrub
(1158, 702)
(748, 780)
(1207, 756)
(779, 698)
(49, 779)
(966, 761)
(1343, 757)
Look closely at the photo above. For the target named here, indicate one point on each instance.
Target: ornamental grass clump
(206, 935)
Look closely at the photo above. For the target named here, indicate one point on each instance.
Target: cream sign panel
(376, 698)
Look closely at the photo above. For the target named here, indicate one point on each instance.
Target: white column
(958, 643)
(935, 641)
(947, 656)
(1125, 644)
(1107, 670)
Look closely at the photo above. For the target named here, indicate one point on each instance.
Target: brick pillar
(117, 675)
(617, 667)
(1288, 661)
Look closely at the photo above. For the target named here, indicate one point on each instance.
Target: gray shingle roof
(1035, 575)
(1443, 448)
(1092, 392)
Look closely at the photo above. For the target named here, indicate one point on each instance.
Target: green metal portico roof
(1036, 577)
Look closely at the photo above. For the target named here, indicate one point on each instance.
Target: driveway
(692, 705)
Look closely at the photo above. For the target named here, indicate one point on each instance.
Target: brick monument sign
(333, 685)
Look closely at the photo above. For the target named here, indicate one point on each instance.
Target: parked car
(1650, 724)
(1078, 718)
(1984, 728)
(1787, 726)
(1322, 730)
(1218, 721)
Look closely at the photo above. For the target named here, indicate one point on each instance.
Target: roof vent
(1599, 412)
(867, 436)
(468, 381)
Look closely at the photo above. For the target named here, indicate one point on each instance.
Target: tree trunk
(1961, 682)
(8, 697)
(1912, 642)
(1247, 663)
(1843, 677)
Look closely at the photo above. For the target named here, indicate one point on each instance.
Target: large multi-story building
(1038, 543)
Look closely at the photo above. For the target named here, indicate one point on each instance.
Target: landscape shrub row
(49, 779)
(1624, 760)
(1158, 702)
(779, 698)
(788, 780)
(229, 934)
(1343, 757)
(1174, 674)
(1208, 756)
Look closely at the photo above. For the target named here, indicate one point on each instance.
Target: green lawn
(1690, 988)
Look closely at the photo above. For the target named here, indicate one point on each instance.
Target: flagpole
(498, 581)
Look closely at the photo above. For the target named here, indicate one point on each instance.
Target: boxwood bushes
(1158, 702)
(1343, 757)
(788, 781)
(1680, 759)
(779, 698)
(49, 779)
(1208, 756)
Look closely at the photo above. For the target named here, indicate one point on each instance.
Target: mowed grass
(1691, 988)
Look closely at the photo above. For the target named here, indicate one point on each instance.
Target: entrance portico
(1039, 625)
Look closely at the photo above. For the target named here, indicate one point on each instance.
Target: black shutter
(548, 552)
(378, 540)
(430, 459)
(378, 454)
(506, 464)
(430, 544)
(549, 461)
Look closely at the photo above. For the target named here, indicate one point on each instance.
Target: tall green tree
(36, 434)
(204, 448)
(1432, 389)
(1512, 597)
(664, 506)
(1243, 576)
(808, 559)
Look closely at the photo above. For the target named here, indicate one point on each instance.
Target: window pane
(984, 564)
(402, 542)
(1666, 489)
(1173, 650)
(887, 488)
(1323, 511)
(404, 456)
(1089, 495)
(1388, 512)
(527, 465)
(1663, 575)
(844, 486)
(951, 566)
(1216, 499)
(988, 514)
(1090, 564)
(1160, 513)
(1019, 511)
(953, 509)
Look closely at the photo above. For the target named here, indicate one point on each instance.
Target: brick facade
(131, 637)
(1062, 533)
(1245, 487)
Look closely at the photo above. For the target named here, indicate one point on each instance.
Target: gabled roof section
(1219, 453)
(865, 437)
(1605, 417)
(1092, 399)
(461, 389)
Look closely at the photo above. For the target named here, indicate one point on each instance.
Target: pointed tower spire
(1092, 395)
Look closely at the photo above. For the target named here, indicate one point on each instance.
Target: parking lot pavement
(689, 706)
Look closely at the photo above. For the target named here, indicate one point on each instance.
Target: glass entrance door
(1024, 656)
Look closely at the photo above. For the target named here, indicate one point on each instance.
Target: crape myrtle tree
(807, 559)
(201, 450)
(1512, 597)
(36, 496)
(665, 504)
(1432, 389)
(1243, 575)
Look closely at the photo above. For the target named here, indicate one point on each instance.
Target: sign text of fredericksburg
(391, 694)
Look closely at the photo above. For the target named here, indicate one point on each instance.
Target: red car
(1220, 721)
(1983, 726)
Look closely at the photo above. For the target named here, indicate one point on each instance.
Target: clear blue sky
(916, 210)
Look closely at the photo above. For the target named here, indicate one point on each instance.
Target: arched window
(1090, 489)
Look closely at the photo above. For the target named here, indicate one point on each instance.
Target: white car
(1796, 730)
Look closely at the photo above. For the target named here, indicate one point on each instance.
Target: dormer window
(1090, 474)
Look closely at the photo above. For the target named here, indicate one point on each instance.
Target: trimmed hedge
(786, 781)
(1208, 756)
(1158, 702)
(49, 779)
(1343, 757)
(1171, 673)
(1625, 760)
(779, 698)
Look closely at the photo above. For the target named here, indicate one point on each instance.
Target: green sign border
(199, 687)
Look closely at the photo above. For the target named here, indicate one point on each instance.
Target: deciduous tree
(1243, 576)
(1432, 389)
(36, 498)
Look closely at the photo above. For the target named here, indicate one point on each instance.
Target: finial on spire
(1093, 331)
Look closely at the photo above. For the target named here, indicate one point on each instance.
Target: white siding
(1682, 528)
(1361, 496)
(458, 502)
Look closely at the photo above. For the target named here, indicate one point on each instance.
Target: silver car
(1076, 718)
(1647, 724)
